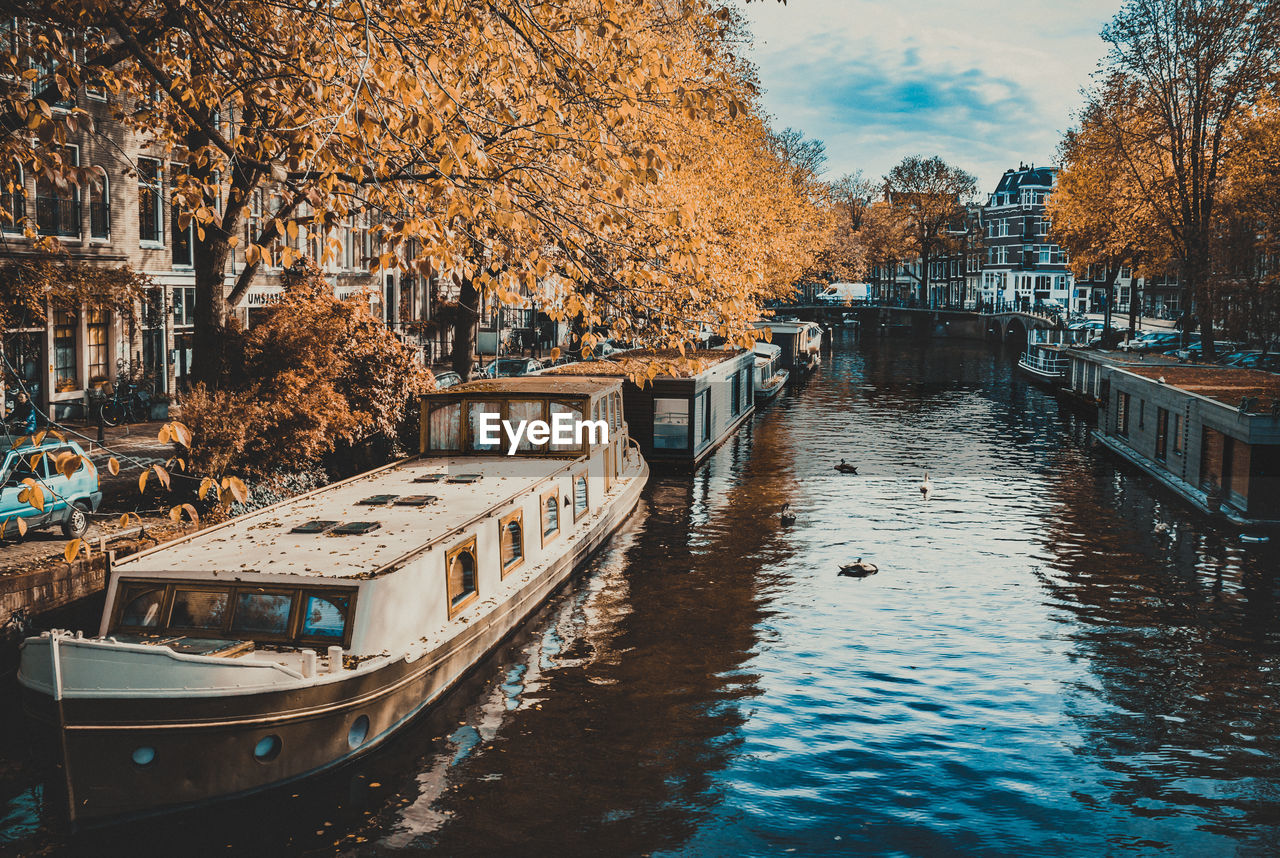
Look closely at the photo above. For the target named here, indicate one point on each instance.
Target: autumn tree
(929, 195)
(1098, 209)
(1247, 235)
(319, 374)
(845, 255)
(1180, 72)
(489, 145)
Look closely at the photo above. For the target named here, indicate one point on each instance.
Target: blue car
(68, 501)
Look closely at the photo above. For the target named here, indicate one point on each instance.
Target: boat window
(474, 411)
(262, 613)
(444, 427)
(550, 515)
(142, 605)
(512, 536)
(575, 415)
(325, 616)
(670, 424)
(461, 583)
(579, 495)
(199, 609)
(525, 409)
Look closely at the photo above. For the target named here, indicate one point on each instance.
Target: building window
(1177, 434)
(96, 345)
(736, 394)
(1122, 414)
(99, 205)
(550, 503)
(58, 206)
(1142, 413)
(511, 536)
(461, 575)
(65, 326)
(150, 212)
(13, 199)
(580, 498)
(181, 238)
(1162, 434)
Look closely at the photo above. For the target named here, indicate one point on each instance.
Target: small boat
(769, 377)
(801, 344)
(1044, 358)
(289, 640)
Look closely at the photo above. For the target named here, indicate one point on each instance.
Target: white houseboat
(289, 640)
(769, 375)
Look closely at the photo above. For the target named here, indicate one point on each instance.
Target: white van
(845, 293)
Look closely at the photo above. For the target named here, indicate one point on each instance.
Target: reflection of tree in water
(1180, 629)
(638, 703)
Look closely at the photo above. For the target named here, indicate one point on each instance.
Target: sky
(986, 85)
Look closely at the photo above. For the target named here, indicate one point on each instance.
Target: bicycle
(129, 401)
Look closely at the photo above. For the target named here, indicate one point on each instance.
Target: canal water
(1056, 657)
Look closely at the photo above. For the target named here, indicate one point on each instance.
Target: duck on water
(292, 639)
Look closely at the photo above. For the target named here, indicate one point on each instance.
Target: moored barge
(292, 639)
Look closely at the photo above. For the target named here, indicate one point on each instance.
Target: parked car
(447, 379)
(1253, 360)
(507, 367)
(1152, 341)
(68, 501)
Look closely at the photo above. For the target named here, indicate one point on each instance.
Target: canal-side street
(1037, 667)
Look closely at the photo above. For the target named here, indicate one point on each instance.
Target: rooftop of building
(672, 363)
(1226, 384)
(1024, 177)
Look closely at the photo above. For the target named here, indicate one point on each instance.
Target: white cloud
(983, 84)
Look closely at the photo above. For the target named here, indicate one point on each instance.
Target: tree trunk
(209, 259)
(464, 330)
(1133, 306)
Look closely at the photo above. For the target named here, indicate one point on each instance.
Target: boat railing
(1066, 337)
(1044, 363)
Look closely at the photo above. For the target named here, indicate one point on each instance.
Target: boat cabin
(679, 419)
(801, 343)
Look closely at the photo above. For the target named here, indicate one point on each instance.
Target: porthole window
(143, 756)
(512, 536)
(359, 732)
(267, 749)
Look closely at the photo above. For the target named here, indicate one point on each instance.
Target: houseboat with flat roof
(770, 376)
(290, 640)
(801, 343)
(1210, 433)
(683, 414)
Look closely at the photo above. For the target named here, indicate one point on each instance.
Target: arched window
(511, 534)
(99, 204)
(461, 575)
(579, 496)
(550, 515)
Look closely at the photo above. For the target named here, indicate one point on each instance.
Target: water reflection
(1056, 657)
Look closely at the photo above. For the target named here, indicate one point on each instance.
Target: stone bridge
(1010, 326)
